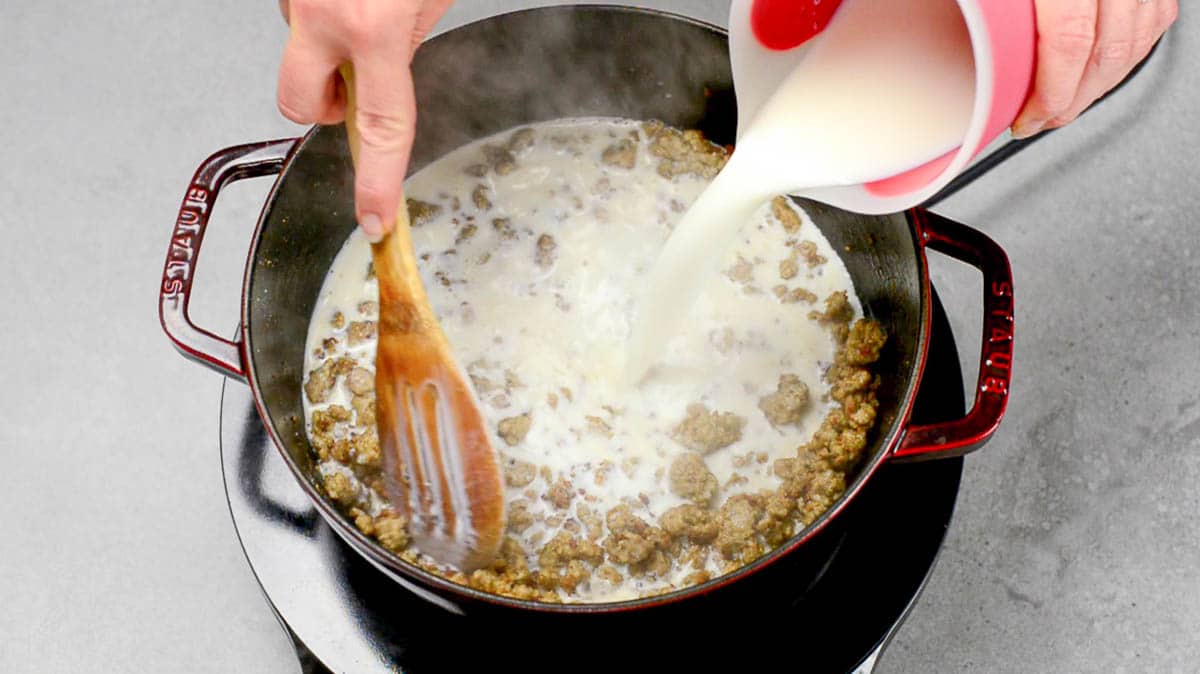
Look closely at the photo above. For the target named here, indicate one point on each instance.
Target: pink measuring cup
(768, 37)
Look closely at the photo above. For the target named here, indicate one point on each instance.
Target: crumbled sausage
(339, 488)
(602, 472)
(479, 196)
(513, 429)
(323, 420)
(622, 154)
(844, 451)
(684, 152)
(360, 381)
(508, 572)
(420, 212)
(634, 542)
(363, 522)
(560, 494)
(518, 473)
(782, 209)
(366, 448)
(808, 251)
(775, 525)
(864, 343)
(360, 331)
(564, 548)
(794, 295)
(340, 451)
(519, 517)
(570, 577)
(364, 410)
(624, 547)
(544, 255)
(499, 159)
(338, 321)
(738, 517)
(598, 426)
(321, 443)
(392, 531)
(520, 140)
(851, 380)
(786, 405)
(482, 384)
(504, 228)
(784, 469)
(863, 414)
(610, 574)
(821, 490)
(691, 521)
(591, 520)
(741, 271)
(468, 230)
(837, 309)
(320, 383)
(621, 518)
(691, 479)
(704, 430)
(343, 365)
(789, 268)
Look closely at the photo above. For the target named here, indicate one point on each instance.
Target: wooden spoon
(440, 467)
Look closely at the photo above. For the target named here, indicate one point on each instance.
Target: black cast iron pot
(546, 64)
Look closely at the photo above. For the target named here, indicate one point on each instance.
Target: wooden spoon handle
(393, 256)
(441, 469)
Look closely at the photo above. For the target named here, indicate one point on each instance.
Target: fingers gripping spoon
(440, 467)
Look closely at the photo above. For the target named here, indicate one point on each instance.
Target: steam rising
(563, 62)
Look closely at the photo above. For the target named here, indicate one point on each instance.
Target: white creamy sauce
(562, 325)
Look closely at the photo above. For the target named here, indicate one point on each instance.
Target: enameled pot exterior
(540, 65)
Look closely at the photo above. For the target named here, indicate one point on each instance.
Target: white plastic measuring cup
(770, 40)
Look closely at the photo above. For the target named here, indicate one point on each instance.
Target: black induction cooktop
(343, 615)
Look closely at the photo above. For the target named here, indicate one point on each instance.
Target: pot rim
(392, 564)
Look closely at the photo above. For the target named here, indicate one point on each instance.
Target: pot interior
(521, 68)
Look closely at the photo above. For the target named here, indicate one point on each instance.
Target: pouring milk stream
(886, 87)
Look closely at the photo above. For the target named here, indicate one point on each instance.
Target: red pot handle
(226, 166)
(961, 436)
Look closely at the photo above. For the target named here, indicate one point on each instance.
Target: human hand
(1085, 48)
(379, 38)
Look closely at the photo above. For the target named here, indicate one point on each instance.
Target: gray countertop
(1075, 546)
